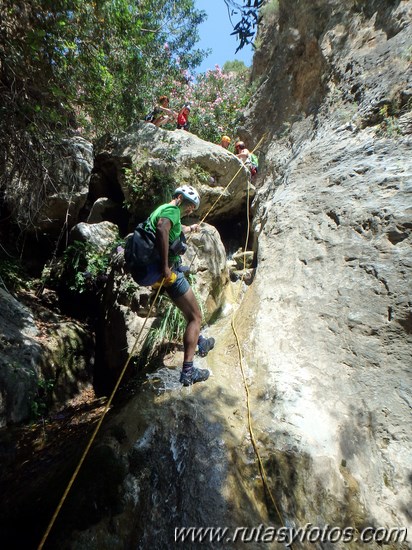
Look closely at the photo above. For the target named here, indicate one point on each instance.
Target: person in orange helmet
(225, 142)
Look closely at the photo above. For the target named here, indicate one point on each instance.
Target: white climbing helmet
(190, 194)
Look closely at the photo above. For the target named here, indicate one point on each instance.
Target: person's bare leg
(189, 307)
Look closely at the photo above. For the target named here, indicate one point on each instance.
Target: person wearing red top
(182, 118)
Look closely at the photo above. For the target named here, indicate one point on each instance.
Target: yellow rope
(96, 430)
(241, 361)
(109, 402)
(230, 182)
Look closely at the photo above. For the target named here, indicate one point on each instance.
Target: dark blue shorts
(148, 275)
(179, 287)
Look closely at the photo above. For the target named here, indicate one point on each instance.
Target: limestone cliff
(331, 337)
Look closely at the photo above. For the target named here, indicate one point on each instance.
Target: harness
(142, 256)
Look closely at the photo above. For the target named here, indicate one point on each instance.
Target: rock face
(18, 370)
(44, 360)
(325, 328)
(331, 335)
(99, 235)
(72, 173)
(333, 327)
(148, 163)
(353, 58)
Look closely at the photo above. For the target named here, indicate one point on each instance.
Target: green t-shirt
(172, 213)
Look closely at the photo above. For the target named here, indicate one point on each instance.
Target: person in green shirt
(165, 222)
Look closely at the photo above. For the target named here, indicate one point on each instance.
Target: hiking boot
(193, 375)
(204, 345)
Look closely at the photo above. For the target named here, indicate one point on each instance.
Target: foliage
(93, 66)
(172, 322)
(40, 403)
(245, 29)
(81, 66)
(389, 125)
(86, 265)
(94, 58)
(269, 11)
(171, 328)
(235, 66)
(149, 184)
(12, 275)
(202, 175)
(217, 99)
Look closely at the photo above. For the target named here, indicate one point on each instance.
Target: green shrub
(12, 275)
(41, 402)
(151, 185)
(86, 266)
(217, 99)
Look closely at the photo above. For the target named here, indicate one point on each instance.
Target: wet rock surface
(167, 457)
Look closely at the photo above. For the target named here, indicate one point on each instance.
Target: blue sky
(215, 34)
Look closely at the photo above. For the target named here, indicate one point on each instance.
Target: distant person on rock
(249, 159)
(225, 142)
(183, 118)
(241, 151)
(163, 265)
(161, 114)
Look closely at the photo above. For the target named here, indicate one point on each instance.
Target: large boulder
(44, 360)
(206, 257)
(100, 235)
(19, 359)
(71, 173)
(105, 209)
(148, 163)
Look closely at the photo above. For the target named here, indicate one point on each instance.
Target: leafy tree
(92, 66)
(217, 98)
(84, 65)
(235, 66)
